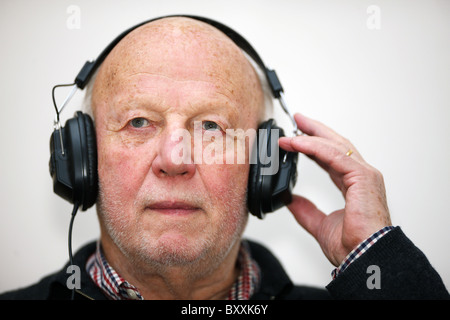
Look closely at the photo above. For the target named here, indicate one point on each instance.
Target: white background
(386, 89)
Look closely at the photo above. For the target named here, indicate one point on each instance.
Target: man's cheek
(226, 183)
(118, 170)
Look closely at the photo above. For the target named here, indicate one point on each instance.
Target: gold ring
(349, 152)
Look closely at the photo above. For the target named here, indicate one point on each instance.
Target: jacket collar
(275, 283)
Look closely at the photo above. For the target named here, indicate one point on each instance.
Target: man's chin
(173, 249)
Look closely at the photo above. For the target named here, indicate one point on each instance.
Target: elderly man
(173, 230)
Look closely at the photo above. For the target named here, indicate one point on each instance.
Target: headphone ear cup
(73, 164)
(253, 201)
(269, 191)
(254, 180)
(90, 194)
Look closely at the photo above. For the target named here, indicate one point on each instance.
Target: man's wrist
(359, 250)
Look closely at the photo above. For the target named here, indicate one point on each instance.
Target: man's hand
(362, 186)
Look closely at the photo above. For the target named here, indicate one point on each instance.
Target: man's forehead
(172, 40)
(178, 26)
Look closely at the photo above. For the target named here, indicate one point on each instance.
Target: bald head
(181, 49)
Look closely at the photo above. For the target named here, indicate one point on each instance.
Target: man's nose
(174, 155)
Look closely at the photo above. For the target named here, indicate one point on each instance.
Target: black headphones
(73, 159)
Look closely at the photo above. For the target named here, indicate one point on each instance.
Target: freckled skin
(172, 72)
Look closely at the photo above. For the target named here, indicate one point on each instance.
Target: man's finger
(306, 214)
(326, 153)
(315, 128)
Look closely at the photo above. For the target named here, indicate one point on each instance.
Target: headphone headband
(90, 67)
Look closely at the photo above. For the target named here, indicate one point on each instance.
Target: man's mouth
(173, 207)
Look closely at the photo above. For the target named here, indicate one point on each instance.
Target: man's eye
(139, 123)
(210, 126)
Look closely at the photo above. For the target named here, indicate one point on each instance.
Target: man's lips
(173, 207)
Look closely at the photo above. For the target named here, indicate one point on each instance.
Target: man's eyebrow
(222, 106)
(219, 104)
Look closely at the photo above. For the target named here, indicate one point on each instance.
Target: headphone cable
(74, 213)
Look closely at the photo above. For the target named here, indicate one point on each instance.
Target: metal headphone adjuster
(56, 122)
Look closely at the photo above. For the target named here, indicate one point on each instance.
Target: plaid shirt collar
(117, 288)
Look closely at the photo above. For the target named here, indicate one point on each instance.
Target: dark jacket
(405, 273)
